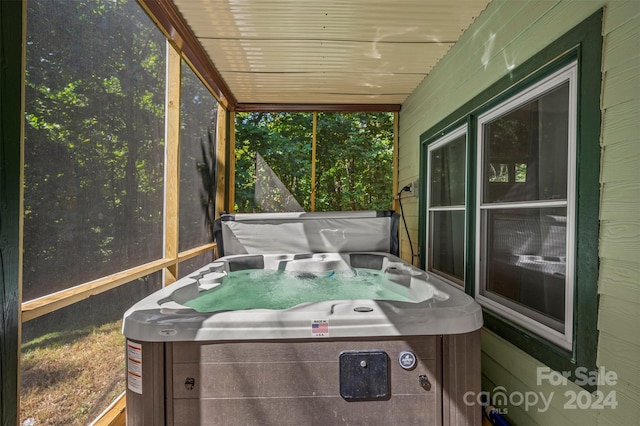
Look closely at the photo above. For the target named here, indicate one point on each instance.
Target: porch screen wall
(198, 119)
(93, 198)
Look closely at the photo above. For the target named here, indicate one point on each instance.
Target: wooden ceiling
(313, 55)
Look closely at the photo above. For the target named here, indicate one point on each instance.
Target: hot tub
(304, 338)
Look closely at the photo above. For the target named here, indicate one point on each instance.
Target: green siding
(620, 318)
(506, 34)
(620, 279)
(622, 357)
(622, 82)
(619, 238)
(621, 122)
(622, 47)
(516, 371)
(626, 156)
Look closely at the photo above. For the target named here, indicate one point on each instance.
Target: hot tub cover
(317, 232)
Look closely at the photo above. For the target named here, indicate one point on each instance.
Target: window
(72, 359)
(523, 240)
(446, 195)
(94, 155)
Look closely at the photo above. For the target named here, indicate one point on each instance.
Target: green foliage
(284, 142)
(354, 159)
(94, 153)
(198, 120)
(94, 149)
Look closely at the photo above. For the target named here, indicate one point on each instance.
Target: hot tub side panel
(145, 399)
(297, 383)
(461, 376)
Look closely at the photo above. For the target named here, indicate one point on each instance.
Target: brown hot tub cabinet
(298, 382)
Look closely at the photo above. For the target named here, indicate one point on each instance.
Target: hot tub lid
(307, 232)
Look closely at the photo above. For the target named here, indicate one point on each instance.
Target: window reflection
(525, 155)
(526, 259)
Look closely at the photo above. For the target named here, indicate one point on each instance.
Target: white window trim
(461, 131)
(568, 73)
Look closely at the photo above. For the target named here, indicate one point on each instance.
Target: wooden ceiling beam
(269, 107)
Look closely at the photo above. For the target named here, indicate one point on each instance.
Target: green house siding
(505, 35)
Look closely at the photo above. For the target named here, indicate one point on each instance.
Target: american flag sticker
(320, 328)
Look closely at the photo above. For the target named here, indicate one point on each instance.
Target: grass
(70, 377)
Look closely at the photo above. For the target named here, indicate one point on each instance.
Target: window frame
(583, 44)
(547, 83)
(440, 142)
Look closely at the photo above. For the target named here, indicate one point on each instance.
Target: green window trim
(584, 44)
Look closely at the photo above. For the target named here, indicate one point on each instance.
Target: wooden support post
(313, 161)
(12, 37)
(232, 162)
(172, 165)
(396, 118)
(221, 157)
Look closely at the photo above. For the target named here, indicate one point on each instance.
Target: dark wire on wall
(406, 188)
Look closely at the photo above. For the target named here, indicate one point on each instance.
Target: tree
(283, 140)
(198, 171)
(94, 149)
(354, 160)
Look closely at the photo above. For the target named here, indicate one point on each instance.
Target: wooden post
(396, 118)
(221, 157)
(172, 166)
(313, 161)
(12, 37)
(232, 162)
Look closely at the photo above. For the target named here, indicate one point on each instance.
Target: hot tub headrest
(318, 232)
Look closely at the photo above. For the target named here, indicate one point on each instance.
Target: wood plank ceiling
(333, 52)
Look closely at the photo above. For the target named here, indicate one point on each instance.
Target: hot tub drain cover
(364, 375)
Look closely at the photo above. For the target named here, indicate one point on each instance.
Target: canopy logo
(541, 401)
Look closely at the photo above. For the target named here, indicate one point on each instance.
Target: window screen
(525, 215)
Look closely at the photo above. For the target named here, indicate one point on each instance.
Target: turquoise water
(268, 289)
